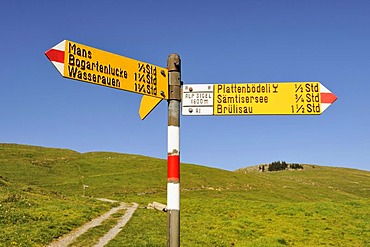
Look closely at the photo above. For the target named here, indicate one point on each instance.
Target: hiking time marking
(290, 98)
(80, 62)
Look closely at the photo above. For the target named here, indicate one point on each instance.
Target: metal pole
(173, 169)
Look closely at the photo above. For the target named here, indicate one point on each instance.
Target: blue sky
(219, 42)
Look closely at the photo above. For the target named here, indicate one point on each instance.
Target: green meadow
(47, 192)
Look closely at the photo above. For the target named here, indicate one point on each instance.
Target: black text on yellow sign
(95, 66)
(267, 98)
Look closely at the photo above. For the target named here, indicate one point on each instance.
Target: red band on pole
(173, 171)
(55, 55)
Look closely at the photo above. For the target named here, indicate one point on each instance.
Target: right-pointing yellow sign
(276, 98)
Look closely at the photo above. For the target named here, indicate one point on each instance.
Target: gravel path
(117, 228)
(70, 237)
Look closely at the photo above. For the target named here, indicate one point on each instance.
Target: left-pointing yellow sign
(88, 64)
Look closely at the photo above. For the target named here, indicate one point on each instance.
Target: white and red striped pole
(173, 169)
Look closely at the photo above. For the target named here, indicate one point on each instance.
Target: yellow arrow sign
(88, 64)
(147, 105)
(268, 98)
(303, 98)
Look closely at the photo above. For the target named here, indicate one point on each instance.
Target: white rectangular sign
(197, 99)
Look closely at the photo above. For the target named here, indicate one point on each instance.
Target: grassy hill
(41, 198)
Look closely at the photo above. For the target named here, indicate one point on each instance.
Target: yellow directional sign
(304, 98)
(147, 104)
(88, 64)
(269, 98)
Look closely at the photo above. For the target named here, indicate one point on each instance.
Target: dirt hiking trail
(70, 237)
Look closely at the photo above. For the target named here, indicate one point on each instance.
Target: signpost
(276, 98)
(80, 62)
(173, 145)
